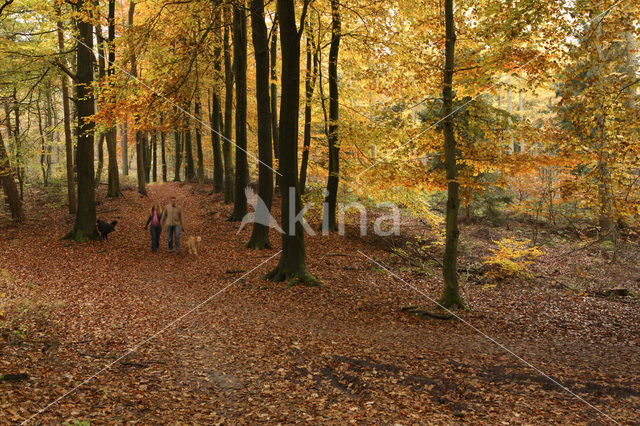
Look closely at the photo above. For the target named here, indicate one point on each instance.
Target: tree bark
(190, 172)
(310, 81)
(260, 234)
(110, 135)
(163, 137)
(216, 115)
(140, 143)
(68, 137)
(178, 155)
(198, 129)
(292, 264)
(329, 219)
(154, 171)
(125, 149)
(274, 93)
(140, 136)
(451, 294)
(85, 225)
(240, 71)
(227, 153)
(9, 185)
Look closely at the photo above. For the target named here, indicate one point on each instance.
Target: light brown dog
(193, 243)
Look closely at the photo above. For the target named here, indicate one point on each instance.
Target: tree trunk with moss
(227, 153)
(451, 294)
(85, 224)
(292, 264)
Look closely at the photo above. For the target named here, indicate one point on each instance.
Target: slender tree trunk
(329, 220)
(451, 294)
(102, 72)
(163, 137)
(260, 234)
(310, 81)
(140, 143)
(198, 128)
(125, 149)
(190, 172)
(148, 155)
(100, 159)
(43, 151)
(227, 153)
(216, 116)
(9, 185)
(85, 224)
(178, 152)
(17, 138)
(68, 137)
(154, 171)
(292, 264)
(274, 92)
(140, 136)
(110, 135)
(240, 71)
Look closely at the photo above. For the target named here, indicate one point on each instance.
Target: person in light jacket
(172, 218)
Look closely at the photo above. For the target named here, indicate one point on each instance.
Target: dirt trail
(263, 351)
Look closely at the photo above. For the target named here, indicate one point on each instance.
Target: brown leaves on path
(262, 351)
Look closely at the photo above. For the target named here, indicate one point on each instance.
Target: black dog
(104, 228)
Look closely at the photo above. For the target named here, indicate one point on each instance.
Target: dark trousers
(155, 237)
(174, 235)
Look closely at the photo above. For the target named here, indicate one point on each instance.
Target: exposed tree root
(424, 313)
(280, 274)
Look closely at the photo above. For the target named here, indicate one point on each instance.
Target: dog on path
(105, 228)
(193, 243)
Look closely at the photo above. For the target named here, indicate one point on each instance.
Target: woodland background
(506, 131)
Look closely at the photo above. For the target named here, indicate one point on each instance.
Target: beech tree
(292, 264)
(260, 234)
(240, 71)
(85, 224)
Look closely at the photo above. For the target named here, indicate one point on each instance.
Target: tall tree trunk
(227, 153)
(100, 150)
(154, 141)
(190, 172)
(240, 71)
(110, 135)
(329, 220)
(125, 149)
(102, 71)
(85, 224)
(149, 141)
(260, 234)
(9, 185)
(177, 136)
(68, 137)
(140, 143)
(198, 128)
(216, 114)
(17, 138)
(292, 264)
(43, 150)
(274, 92)
(163, 137)
(310, 81)
(140, 136)
(451, 294)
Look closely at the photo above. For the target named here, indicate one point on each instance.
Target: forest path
(262, 351)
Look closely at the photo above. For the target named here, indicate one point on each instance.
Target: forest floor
(342, 352)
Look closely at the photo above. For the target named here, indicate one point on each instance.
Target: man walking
(172, 218)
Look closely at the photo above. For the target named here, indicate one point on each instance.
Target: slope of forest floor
(260, 351)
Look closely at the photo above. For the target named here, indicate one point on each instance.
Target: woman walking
(156, 226)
